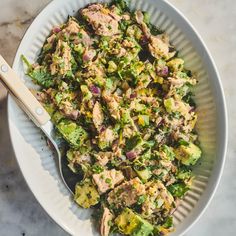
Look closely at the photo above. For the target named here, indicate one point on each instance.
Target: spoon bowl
(68, 177)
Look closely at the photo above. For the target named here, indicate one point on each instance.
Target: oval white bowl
(36, 159)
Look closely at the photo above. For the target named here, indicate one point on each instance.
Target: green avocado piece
(72, 133)
(103, 145)
(87, 95)
(57, 117)
(144, 174)
(143, 229)
(86, 195)
(169, 105)
(112, 67)
(143, 120)
(188, 154)
(130, 223)
(176, 64)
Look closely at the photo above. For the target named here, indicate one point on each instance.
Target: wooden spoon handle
(18, 89)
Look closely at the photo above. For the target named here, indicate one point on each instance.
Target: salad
(121, 98)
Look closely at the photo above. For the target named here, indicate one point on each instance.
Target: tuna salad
(121, 98)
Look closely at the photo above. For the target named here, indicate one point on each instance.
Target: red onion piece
(131, 155)
(164, 72)
(103, 128)
(133, 95)
(86, 57)
(89, 55)
(95, 90)
(56, 30)
(192, 109)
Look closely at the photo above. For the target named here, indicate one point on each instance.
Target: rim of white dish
(222, 109)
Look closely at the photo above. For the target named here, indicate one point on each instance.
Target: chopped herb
(178, 189)
(141, 199)
(80, 35)
(97, 169)
(108, 181)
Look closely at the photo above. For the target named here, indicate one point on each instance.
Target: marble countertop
(21, 214)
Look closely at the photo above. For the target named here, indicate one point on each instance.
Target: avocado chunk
(176, 64)
(144, 174)
(86, 195)
(143, 120)
(188, 154)
(130, 223)
(87, 95)
(57, 117)
(170, 105)
(143, 230)
(72, 133)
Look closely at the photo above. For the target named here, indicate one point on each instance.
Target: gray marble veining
(20, 213)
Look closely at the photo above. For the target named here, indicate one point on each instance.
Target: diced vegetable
(57, 117)
(144, 174)
(188, 154)
(86, 194)
(73, 133)
(112, 67)
(86, 92)
(130, 223)
(143, 120)
(176, 64)
(41, 77)
(178, 189)
(170, 105)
